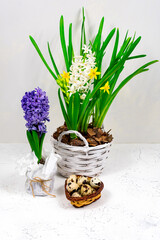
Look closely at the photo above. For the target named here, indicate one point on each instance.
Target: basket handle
(73, 131)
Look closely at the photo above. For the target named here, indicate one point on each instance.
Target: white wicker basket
(88, 161)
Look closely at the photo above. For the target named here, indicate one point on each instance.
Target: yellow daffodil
(106, 87)
(93, 73)
(66, 76)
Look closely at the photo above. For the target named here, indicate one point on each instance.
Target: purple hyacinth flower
(35, 105)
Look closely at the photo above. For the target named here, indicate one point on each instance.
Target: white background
(135, 114)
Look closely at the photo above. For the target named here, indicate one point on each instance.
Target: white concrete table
(129, 208)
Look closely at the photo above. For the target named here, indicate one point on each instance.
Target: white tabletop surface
(129, 208)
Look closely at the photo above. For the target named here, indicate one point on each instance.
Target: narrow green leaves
(83, 109)
(63, 43)
(137, 56)
(114, 53)
(36, 143)
(131, 48)
(101, 52)
(105, 96)
(123, 47)
(115, 67)
(73, 109)
(41, 56)
(70, 48)
(83, 34)
(30, 140)
(64, 110)
(41, 143)
(53, 62)
(105, 43)
(122, 84)
(97, 41)
(115, 78)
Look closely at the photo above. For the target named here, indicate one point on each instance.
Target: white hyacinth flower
(83, 96)
(81, 66)
(86, 49)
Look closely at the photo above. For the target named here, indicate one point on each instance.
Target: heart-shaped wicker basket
(85, 200)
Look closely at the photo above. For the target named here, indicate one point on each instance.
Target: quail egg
(82, 180)
(72, 186)
(95, 182)
(72, 178)
(86, 190)
(93, 190)
(76, 194)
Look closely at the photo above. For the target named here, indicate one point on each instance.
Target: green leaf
(126, 35)
(41, 145)
(115, 78)
(137, 56)
(52, 59)
(123, 83)
(83, 35)
(96, 47)
(97, 111)
(114, 53)
(70, 47)
(131, 47)
(105, 43)
(63, 42)
(105, 96)
(97, 41)
(41, 56)
(88, 120)
(36, 143)
(101, 53)
(73, 110)
(117, 66)
(30, 140)
(120, 63)
(87, 114)
(134, 36)
(83, 109)
(64, 111)
(123, 47)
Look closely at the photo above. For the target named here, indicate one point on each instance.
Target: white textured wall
(135, 113)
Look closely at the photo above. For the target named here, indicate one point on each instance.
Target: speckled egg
(76, 194)
(82, 180)
(72, 186)
(95, 182)
(72, 178)
(79, 190)
(86, 190)
(94, 191)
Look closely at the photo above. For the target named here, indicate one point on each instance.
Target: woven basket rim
(83, 148)
(98, 191)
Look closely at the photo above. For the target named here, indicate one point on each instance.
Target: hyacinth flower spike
(35, 105)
